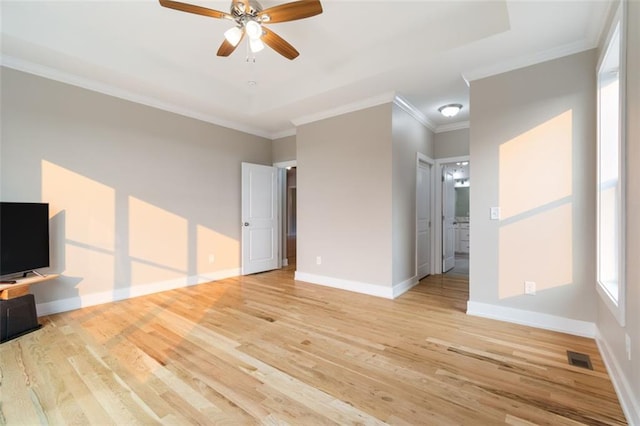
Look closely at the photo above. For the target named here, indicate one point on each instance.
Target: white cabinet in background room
(462, 237)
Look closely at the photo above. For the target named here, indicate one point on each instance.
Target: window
(610, 189)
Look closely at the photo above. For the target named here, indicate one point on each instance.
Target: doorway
(457, 239)
(287, 178)
(291, 219)
(456, 193)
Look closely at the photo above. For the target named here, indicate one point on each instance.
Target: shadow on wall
(536, 199)
(88, 221)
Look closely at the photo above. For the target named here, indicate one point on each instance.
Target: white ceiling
(356, 53)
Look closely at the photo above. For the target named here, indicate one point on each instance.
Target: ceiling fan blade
(198, 10)
(227, 48)
(291, 11)
(279, 44)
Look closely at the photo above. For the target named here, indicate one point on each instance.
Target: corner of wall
(630, 403)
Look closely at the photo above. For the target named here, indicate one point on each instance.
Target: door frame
(440, 163)
(282, 208)
(421, 158)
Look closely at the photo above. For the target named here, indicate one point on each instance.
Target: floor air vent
(579, 360)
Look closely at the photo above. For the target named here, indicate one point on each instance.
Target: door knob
(246, 224)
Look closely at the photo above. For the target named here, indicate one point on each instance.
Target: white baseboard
(69, 304)
(355, 286)
(285, 262)
(532, 319)
(406, 285)
(628, 401)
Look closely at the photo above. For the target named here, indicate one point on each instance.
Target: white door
(260, 226)
(448, 219)
(423, 216)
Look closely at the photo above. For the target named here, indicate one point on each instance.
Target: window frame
(616, 303)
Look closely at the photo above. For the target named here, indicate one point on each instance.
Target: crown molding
(390, 97)
(283, 133)
(597, 32)
(452, 126)
(406, 106)
(106, 89)
(528, 60)
(344, 109)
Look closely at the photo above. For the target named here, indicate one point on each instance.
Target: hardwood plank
(267, 349)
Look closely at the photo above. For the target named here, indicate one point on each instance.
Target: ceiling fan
(249, 17)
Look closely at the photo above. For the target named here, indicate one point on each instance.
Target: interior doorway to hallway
(291, 220)
(287, 172)
(454, 229)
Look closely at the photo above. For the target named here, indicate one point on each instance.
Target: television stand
(18, 309)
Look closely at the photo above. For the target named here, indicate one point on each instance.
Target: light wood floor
(266, 349)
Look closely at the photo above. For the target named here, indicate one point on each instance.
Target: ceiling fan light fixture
(256, 45)
(249, 15)
(450, 110)
(233, 35)
(254, 30)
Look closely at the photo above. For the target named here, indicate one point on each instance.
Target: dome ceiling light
(450, 110)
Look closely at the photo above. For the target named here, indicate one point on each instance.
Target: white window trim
(617, 305)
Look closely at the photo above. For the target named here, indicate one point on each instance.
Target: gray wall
(532, 146)
(454, 143)
(283, 149)
(138, 195)
(344, 196)
(409, 138)
(611, 332)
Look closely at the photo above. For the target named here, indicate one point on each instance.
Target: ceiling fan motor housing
(241, 9)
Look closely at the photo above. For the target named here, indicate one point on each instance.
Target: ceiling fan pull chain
(251, 57)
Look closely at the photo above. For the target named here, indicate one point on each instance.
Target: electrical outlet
(494, 213)
(212, 258)
(627, 342)
(530, 288)
(318, 260)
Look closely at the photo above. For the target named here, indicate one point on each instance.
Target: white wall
(612, 335)
(409, 138)
(140, 198)
(532, 147)
(344, 199)
(454, 143)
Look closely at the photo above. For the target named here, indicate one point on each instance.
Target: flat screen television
(24, 237)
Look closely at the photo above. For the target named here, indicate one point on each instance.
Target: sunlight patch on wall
(158, 243)
(536, 167)
(216, 251)
(146, 273)
(83, 232)
(95, 267)
(538, 248)
(89, 206)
